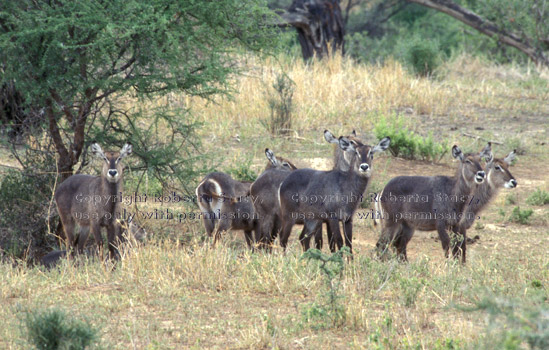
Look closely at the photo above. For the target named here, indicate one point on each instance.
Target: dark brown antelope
(427, 203)
(91, 202)
(226, 203)
(498, 176)
(312, 197)
(264, 192)
(342, 161)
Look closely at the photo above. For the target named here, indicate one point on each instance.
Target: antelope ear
(288, 164)
(271, 156)
(486, 153)
(510, 157)
(97, 151)
(456, 153)
(328, 136)
(382, 145)
(346, 145)
(125, 151)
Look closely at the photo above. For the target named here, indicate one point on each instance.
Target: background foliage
(85, 71)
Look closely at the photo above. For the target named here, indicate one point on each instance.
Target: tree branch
(64, 165)
(485, 27)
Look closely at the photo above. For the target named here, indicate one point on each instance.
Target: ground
(176, 292)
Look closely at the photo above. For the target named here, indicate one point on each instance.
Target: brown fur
(90, 201)
(226, 203)
(401, 217)
(498, 176)
(264, 191)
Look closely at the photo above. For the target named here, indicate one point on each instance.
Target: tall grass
(332, 91)
(170, 295)
(179, 292)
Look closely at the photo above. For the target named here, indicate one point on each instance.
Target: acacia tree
(72, 66)
(68, 57)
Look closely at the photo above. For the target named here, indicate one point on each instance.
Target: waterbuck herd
(283, 196)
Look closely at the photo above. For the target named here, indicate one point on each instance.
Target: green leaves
(117, 45)
(405, 143)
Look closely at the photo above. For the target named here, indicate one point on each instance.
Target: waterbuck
(428, 203)
(311, 197)
(264, 191)
(497, 176)
(91, 202)
(342, 161)
(225, 203)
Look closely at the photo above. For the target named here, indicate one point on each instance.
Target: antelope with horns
(312, 196)
(427, 203)
(497, 176)
(264, 192)
(91, 201)
(225, 203)
(342, 161)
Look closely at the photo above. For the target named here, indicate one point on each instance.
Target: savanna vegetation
(202, 86)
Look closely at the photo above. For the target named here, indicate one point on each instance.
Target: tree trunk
(319, 25)
(486, 27)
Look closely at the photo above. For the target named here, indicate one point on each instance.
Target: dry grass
(166, 295)
(177, 292)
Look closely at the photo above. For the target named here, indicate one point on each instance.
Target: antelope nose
(479, 178)
(113, 172)
(364, 166)
(513, 182)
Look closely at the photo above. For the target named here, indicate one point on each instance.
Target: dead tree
(319, 24)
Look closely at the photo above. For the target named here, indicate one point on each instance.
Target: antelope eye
(468, 161)
(286, 164)
(498, 167)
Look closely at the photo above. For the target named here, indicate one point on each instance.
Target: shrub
(410, 289)
(331, 309)
(538, 197)
(406, 144)
(243, 172)
(280, 100)
(24, 204)
(53, 330)
(511, 198)
(521, 216)
(422, 56)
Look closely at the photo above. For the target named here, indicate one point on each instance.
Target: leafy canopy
(74, 48)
